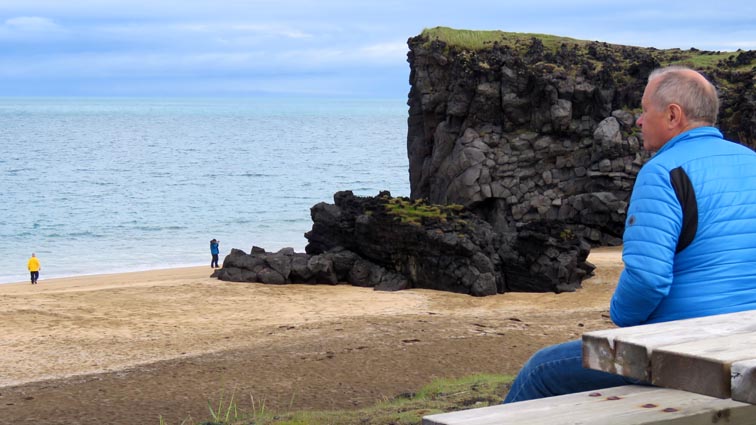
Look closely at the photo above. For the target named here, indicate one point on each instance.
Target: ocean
(112, 185)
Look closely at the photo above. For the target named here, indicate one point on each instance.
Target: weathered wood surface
(743, 381)
(694, 355)
(701, 366)
(627, 351)
(627, 405)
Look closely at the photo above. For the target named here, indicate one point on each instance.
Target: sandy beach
(129, 348)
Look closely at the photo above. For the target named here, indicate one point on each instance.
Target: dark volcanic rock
(414, 244)
(548, 139)
(522, 155)
(448, 247)
(523, 132)
(395, 243)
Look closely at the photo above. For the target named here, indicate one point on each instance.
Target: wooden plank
(627, 405)
(621, 355)
(627, 351)
(743, 381)
(701, 366)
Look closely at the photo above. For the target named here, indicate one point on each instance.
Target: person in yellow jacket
(34, 267)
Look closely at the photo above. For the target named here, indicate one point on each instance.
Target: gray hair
(697, 97)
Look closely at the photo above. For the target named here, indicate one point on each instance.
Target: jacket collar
(689, 135)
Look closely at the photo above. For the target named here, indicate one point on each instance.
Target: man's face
(653, 122)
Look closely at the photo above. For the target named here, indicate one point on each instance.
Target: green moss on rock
(415, 211)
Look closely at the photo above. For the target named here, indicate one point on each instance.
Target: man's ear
(675, 117)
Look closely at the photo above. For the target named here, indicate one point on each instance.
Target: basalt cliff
(524, 128)
(522, 155)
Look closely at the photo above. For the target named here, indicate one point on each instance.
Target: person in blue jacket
(689, 245)
(214, 251)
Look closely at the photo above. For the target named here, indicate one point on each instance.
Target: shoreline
(600, 254)
(117, 275)
(106, 273)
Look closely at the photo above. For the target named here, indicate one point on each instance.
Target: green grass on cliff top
(482, 40)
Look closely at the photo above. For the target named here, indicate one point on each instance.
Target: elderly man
(689, 245)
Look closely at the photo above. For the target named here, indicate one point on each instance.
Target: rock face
(394, 243)
(522, 155)
(524, 133)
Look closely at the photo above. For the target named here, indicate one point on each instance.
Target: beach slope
(129, 348)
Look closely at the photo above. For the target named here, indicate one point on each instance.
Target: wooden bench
(713, 355)
(704, 372)
(626, 405)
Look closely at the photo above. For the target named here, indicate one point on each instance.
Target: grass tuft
(441, 395)
(218, 415)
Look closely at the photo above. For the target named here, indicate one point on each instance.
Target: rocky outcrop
(394, 243)
(523, 132)
(522, 155)
(287, 266)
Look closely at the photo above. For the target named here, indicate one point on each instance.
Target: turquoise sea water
(110, 185)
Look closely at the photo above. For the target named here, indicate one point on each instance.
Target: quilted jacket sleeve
(652, 229)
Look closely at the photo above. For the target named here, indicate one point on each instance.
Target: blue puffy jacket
(716, 272)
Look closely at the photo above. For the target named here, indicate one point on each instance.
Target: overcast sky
(299, 47)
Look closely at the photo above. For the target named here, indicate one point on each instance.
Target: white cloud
(318, 56)
(391, 50)
(196, 35)
(203, 28)
(134, 64)
(120, 40)
(270, 30)
(31, 29)
(344, 56)
(743, 44)
(31, 24)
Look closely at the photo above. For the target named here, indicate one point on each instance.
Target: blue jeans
(558, 370)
